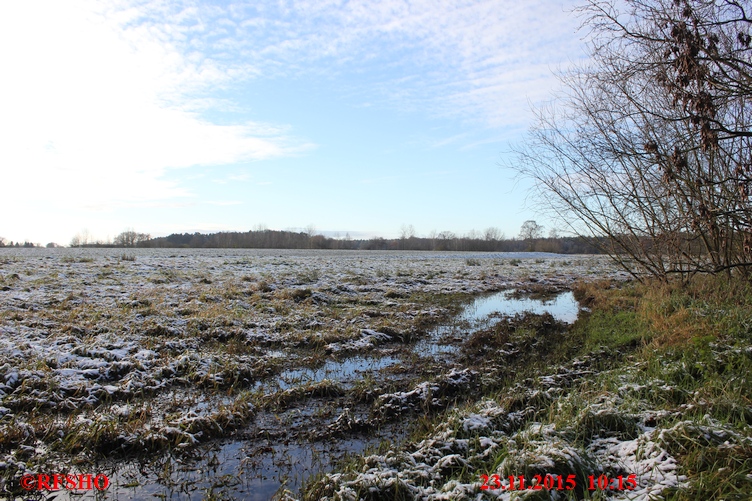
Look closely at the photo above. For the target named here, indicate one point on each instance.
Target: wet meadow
(249, 374)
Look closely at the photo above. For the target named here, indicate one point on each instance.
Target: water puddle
(486, 311)
(243, 470)
(563, 307)
(339, 371)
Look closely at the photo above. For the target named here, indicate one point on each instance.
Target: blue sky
(356, 117)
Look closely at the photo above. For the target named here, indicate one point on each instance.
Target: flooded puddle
(340, 371)
(563, 307)
(483, 312)
(245, 470)
(486, 311)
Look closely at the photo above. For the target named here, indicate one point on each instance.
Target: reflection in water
(341, 371)
(246, 469)
(486, 311)
(563, 307)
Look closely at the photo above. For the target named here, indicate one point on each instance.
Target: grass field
(380, 375)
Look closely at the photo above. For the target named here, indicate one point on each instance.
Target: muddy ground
(238, 373)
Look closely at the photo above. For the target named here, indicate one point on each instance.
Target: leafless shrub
(649, 145)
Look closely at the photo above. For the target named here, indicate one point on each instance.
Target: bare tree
(650, 143)
(85, 237)
(492, 234)
(407, 231)
(311, 232)
(130, 238)
(530, 230)
(446, 240)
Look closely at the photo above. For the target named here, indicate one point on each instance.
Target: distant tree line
(127, 238)
(530, 239)
(5, 243)
(444, 241)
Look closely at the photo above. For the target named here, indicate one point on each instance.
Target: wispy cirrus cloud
(481, 60)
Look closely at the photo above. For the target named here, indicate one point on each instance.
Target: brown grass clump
(677, 313)
(674, 313)
(521, 333)
(606, 295)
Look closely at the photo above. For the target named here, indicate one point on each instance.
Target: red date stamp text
(557, 482)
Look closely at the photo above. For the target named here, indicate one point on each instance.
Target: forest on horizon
(529, 240)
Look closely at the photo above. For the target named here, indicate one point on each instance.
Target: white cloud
(101, 101)
(101, 98)
(481, 60)
(97, 106)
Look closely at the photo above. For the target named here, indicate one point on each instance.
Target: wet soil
(237, 374)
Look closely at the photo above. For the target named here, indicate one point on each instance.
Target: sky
(352, 117)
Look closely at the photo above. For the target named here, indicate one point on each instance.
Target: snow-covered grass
(654, 383)
(105, 354)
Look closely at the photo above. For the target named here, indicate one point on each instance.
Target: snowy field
(182, 372)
